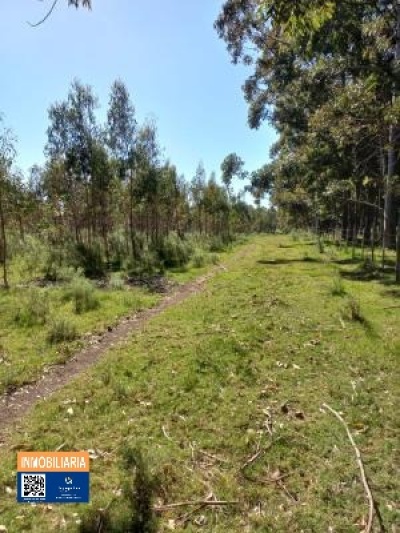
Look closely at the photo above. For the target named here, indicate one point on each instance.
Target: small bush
(214, 259)
(82, 292)
(217, 244)
(320, 245)
(117, 282)
(148, 264)
(199, 259)
(173, 251)
(337, 288)
(62, 330)
(352, 311)
(90, 259)
(34, 309)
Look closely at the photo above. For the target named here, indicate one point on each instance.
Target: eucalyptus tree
(121, 139)
(7, 155)
(316, 64)
(232, 167)
(197, 188)
(72, 134)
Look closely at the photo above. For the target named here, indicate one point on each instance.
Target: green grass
(25, 349)
(202, 388)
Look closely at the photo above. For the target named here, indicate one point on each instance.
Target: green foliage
(217, 244)
(337, 288)
(352, 310)
(173, 252)
(118, 249)
(140, 491)
(117, 282)
(62, 330)
(90, 259)
(33, 310)
(215, 259)
(83, 295)
(199, 259)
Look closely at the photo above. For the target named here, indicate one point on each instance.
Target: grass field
(222, 396)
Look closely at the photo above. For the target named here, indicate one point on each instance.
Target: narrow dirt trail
(15, 405)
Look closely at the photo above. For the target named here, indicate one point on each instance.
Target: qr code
(33, 486)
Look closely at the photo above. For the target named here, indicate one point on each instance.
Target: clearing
(222, 396)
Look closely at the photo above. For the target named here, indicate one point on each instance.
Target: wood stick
(201, 503)
(361, 467)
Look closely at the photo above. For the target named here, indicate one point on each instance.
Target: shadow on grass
(393, 293)
(277, 262)
(296, 244)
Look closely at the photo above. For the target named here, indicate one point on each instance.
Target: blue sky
(167, 53)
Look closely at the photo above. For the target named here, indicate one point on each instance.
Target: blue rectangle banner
(53, 487)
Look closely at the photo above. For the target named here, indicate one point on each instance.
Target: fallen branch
(201, 503)
(215, 457)
(258, 454)
(361, 466)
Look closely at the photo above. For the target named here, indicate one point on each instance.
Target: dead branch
(258, 454)
(48, 14)
(361, 467)
(200, 503)
(212, 456)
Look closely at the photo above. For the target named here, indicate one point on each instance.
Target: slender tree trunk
(389, 217)
(3, 239)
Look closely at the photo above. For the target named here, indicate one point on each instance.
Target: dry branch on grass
(199, 503)
(364, 480)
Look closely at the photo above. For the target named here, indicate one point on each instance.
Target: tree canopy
(325, 75)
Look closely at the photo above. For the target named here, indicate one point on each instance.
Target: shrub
(62, 330)
(117, 282)
(173, 251)
(199, 259)
(352, 311)
(82, 292)
(337, 288)
(217, 244)
(214, 259)
(118, 249)
(90, 259)
(34, 309)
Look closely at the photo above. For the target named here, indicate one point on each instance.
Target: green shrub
(217, 244)
(34, 309)
(199, 259)
(118, 249)
(62, 330)
(83, 294)
(352, 311)
(173, 251)
(90, 259)
(148, 264)
(117, 282)
(337, 288)
(214, 259)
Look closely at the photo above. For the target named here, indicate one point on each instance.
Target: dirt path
(14, 405)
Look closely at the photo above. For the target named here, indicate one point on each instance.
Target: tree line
(107, 190)
(325, 74)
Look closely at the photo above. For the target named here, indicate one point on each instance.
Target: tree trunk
(4, 240)
(389, 216)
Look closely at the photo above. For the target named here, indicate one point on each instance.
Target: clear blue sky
(167, 53)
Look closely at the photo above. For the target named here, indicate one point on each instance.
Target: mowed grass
(242, 368)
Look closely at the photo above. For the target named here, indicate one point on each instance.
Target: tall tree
(7, 154)
(121, 138)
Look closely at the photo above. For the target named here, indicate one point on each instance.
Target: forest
(108, 200)
(325, 74)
